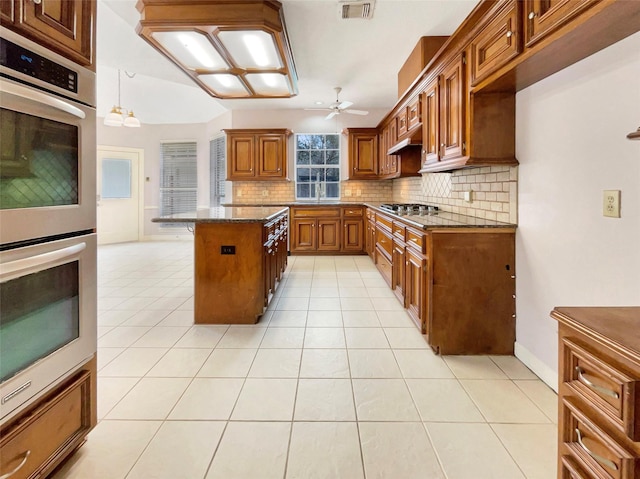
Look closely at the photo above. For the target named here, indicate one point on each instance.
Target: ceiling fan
(339, 107)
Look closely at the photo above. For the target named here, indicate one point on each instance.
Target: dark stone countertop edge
(253, 219)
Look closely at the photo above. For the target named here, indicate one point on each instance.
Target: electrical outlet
(239, 193)
(611, 203)
(358, 192)
(468, 196)
(265, 192)
(347, 192)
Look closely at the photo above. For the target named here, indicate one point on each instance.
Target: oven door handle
(16, 89)
(38, 262)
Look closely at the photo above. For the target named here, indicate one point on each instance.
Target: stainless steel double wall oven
(47, 220)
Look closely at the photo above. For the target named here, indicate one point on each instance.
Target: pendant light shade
(634, 135)
(116, 116)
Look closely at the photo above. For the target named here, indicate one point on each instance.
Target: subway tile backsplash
(494, 191)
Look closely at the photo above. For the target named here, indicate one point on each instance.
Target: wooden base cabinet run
(38, 440)
(320, 229)
(598, 392)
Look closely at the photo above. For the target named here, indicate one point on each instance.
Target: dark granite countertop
(443, 219)
(302, 203)
(226, 214)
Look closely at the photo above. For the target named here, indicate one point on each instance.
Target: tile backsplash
(494, 192)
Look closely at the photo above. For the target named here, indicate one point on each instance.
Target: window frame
(182, 190)
(311, 195)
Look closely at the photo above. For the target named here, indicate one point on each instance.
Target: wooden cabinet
(328, 234)
(497, 43)
(257, 154)
(598, 392)
(388, 163)
(327, 229)
(541, 17)
(431, 123)
(370, 234)
(414, 113)
(65, 26)
(415, 288)
(238, 266)
(44, 435)
(398, 261)
(363, 153)
(352, 229)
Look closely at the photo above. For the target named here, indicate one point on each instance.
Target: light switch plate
(611, 203)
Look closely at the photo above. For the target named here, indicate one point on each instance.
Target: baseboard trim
(544, 372)
(169, 237)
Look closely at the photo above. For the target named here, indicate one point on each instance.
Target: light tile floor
(334, 382)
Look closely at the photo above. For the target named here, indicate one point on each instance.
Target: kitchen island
(240, 254)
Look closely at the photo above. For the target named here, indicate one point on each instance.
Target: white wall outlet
(468, 196)
(347, 192)
(358, 192)
(239, 192)
(611, 203)
(265, 192)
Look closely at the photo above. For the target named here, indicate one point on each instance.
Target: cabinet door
(271, 157)
(329, 235)
(430, 122)
(65, 26)
(452, 107)
(353, 235)
(414, 113)
(544, 16)
(415, 288)
(6, 11)
(303, 235)
(398, 270)
(363, 155)
(240, 157)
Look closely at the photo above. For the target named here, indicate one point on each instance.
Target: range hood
(413, 142)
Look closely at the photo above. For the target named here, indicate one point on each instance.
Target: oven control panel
(29, 63)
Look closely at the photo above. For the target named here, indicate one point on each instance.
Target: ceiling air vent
(362, 9)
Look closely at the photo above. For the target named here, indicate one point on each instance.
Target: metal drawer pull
(604, 461)
(600, 389)
(18, 467)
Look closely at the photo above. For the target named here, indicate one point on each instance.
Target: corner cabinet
(65, 26)
(38, 440)
(257, 155)
(363, 153)
(598, 392)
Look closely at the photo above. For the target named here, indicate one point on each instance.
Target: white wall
(570, 141)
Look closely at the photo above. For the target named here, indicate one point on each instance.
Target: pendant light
(634, 135)
(115, 116)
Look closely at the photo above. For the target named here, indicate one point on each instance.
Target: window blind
(178, 179)
(218, 170)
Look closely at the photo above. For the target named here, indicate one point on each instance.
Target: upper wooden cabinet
(544, 16)
(65, 26)
(256, 155)
(497, 43)
(363, 153)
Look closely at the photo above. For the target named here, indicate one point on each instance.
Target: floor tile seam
(155, 434)
(435, 450)
(552, 419)
(504, 446)
(122, 397)
(156, 326)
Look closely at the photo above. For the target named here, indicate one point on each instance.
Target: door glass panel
(38, 161)
(116, 178)
(40, 314)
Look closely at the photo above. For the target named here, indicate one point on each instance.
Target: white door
(119, 194)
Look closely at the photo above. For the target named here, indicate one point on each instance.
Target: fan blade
(318, 109)
(357, 112)
(345, 104)
(331, 115)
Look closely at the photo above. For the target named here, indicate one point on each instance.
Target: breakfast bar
(240, 254)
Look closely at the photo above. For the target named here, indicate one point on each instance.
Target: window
(218, 170)
(317, 166)
(178, 179)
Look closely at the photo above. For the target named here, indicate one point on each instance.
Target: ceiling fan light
(131, 121)
(251, 48)
(191, 49)
(114, 118)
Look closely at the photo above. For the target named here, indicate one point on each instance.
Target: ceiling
(361, 56)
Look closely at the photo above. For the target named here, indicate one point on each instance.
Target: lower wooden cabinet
(37, 441)
(327, 230)
(457, 284)
(598, 392)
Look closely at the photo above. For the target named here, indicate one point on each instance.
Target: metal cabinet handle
(26, 453)
(602, 460)
(583, 379)
(532, 15)
(37, 2)
(509, 34)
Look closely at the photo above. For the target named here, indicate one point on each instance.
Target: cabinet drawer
(401, 122)
(414, 113)
(384, 222)
(57, 423)
(384, 265)
(399, 231)
(589, 444)
(316, 212)
(496, 44)
(384, 242)
(354, 211)
(416, 240)
(571, 470)
(611, 390)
